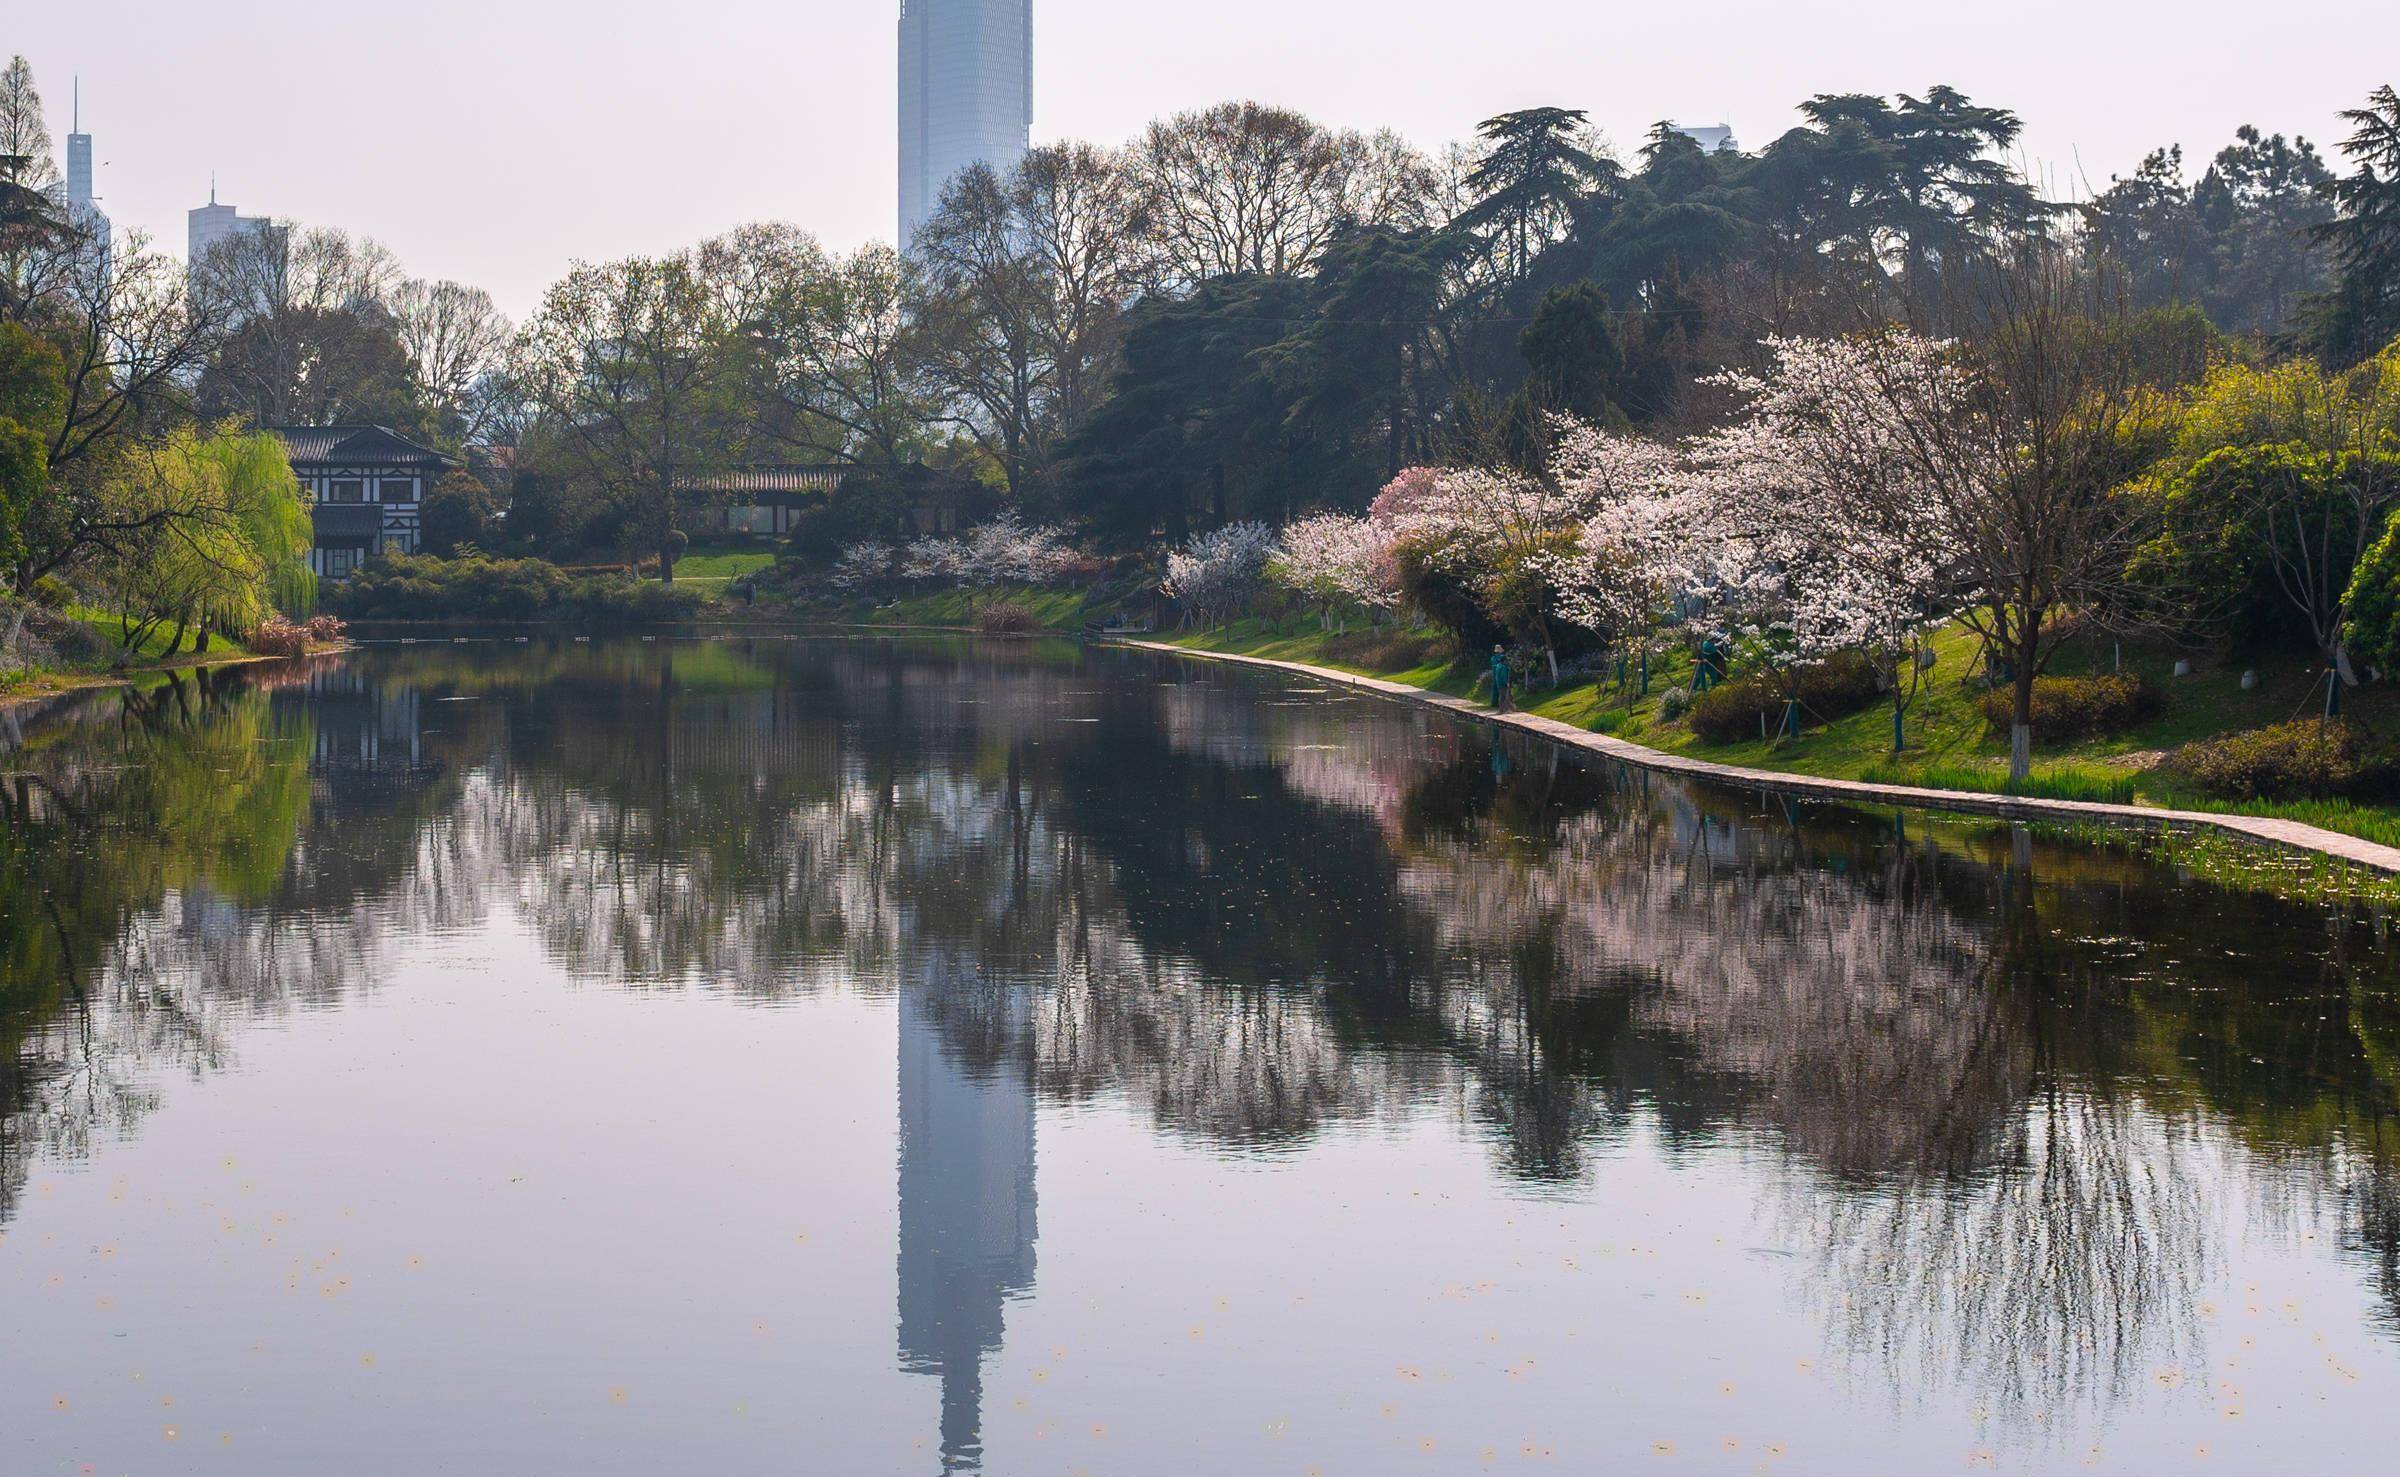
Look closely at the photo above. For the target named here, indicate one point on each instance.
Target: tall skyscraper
(966, 95)
(83, 209)
(212, 225)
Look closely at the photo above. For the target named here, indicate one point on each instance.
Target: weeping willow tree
(219, 542)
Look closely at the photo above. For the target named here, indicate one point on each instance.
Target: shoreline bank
(2294, 835)
(69, 685)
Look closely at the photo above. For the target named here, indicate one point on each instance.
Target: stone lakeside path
(2292, 834)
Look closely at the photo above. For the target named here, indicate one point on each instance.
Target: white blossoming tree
(1499, 534)
(1217, 574)
(934, 560)
(1009, 550)
(1843, 537)
(863, 563)
(1642, 536)
(1334, 561)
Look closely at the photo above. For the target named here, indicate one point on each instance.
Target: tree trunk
(16, 628)
(2020, 729)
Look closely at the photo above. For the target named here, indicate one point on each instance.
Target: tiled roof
(770, 479)
(354, 446)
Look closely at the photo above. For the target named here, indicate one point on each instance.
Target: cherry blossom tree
(1643, 537)
(1217, 573)
(1005, 551)
(1008, 550)
(863, 563)
(1499, 533)
(1847, 536)
(934, 560)
(1334, 561)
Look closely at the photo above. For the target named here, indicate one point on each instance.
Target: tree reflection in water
(2012, 1089)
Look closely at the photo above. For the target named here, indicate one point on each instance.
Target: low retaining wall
(2292, 834)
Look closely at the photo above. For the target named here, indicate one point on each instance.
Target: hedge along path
(2293, 834)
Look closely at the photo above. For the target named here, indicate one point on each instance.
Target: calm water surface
(846, 1057)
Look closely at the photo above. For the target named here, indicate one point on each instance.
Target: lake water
(853, 1057)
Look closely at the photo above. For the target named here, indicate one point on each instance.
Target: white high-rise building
(966, 95)
(83, 208)
(212, 225)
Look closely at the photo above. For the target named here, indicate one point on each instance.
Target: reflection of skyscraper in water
(966, 1187)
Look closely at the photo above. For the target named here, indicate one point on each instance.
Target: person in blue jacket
(1502, 677)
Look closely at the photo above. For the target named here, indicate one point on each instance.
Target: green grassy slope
(1950, 746)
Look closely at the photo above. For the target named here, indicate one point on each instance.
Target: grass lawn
(1950, 746)
(148, 657)
(712, 564)
(153, 646)
(720, 561)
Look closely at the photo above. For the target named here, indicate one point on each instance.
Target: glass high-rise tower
(83, 206)
(966, 95)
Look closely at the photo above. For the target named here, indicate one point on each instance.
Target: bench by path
(2292, 834)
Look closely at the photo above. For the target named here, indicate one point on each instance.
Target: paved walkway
(2008, 807)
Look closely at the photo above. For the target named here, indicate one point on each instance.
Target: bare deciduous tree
(455, 337)
(1082, 216)
(1025, 276)
(311, 335)
(982, 316)
(31, 227)
(626, 361)
(830, 346)
(131, 336)
(2030, 461)
(1245, 187)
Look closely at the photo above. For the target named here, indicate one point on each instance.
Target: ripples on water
(496, 1057)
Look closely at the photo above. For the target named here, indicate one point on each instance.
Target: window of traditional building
(345, 490)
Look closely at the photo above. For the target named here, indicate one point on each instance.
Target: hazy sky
(495, 140)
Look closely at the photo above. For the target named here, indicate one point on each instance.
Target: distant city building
(366, 486)
(966, 95)
(1713, 138)
(212, 225)
(83, 207)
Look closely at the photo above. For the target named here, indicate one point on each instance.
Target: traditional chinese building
(755, 500)
(365, 485)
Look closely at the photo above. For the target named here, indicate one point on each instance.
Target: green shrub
(2374, 628)
(609, 601)
(1674, 703)
(2077, 707)
(1435, 590)
(1830, 689)
(419, 587)
(2308, 759)
(1390, 651)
